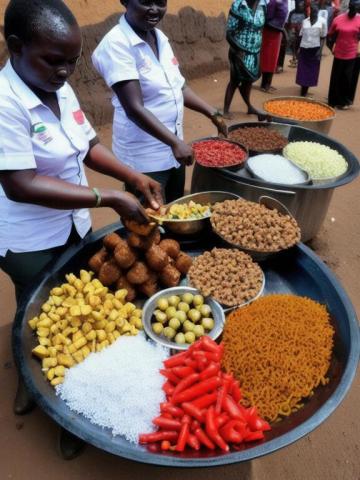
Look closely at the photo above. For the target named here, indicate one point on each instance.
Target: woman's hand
(127, 206)
(151, 189)
(182, 152)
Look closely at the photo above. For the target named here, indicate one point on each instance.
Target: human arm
(194, 102)
(331, 36)
(130, 96)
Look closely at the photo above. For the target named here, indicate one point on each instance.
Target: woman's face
(144, 15)
(49, 59)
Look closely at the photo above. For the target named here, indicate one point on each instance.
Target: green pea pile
(182, 318)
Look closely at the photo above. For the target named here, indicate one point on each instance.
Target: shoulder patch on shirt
(79, 117)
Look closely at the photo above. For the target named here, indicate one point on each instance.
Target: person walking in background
(313, 34)
(276, 14)
(343, 41)
(244, 35)
(293, 27)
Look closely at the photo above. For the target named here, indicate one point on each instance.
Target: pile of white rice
(276, 169)
(319, 161)
(119, 387)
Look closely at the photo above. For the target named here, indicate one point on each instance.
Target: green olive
(187, 297)
(180, 338)
(205, 310)
(169, 332)
(160, 316)
(190, 337)
(174, 300)
(208, 323)
(183, 306)
(157, 328)
(188, 326)
(170, 312)
(199, 331)
(194, 315)
(174, 323)
(162, 303)
(181, 315)
(198, 300)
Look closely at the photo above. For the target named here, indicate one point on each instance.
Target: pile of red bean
(218, 153)
(259, 139)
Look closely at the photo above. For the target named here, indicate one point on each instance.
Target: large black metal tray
(298, 271)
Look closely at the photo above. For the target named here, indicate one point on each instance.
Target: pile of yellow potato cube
(80, 317)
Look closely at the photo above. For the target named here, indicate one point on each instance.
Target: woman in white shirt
(313, 34)
(45, 141)
(138, 63)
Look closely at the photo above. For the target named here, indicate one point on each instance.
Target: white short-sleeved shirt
(32, 137)
(123, 55)
(311, 34)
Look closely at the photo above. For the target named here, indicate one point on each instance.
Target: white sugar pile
(276, 169)
(119, 387)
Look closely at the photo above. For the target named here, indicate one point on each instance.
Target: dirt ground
(27, 444)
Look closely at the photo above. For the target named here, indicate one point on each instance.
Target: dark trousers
(172, 182)
(22, 268)
(342, 81)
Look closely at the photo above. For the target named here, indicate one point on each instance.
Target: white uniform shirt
(32, 137)
(123, 55)
(311, 34)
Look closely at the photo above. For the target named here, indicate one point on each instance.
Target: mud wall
(197, 35)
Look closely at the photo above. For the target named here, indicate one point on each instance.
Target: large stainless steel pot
(308, 203)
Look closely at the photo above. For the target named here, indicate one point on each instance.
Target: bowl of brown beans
(261, 230)
(257, 139)
(214, 152)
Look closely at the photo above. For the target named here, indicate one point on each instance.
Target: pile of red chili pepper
(202, 407)
(218, 153)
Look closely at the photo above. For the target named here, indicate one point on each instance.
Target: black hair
(26, 18)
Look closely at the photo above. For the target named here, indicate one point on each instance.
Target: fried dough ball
(144, 243)
(183, 263)
(141, 229)
(138, 273)
(124, 255)
(112, 240)
(170, 276)
(149, 287)
(171, 247)
(124, 283)
(109, 273)
(156, 258)
(98, 259)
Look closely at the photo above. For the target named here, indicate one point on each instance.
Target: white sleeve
(114, 61)
(324, 29)
(16, 150)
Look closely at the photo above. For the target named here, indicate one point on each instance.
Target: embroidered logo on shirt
(79, 117)
(40, 132)
(174, 61)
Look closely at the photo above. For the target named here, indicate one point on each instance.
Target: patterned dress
(244, 34)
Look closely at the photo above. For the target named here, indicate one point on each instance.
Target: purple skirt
(307, 74)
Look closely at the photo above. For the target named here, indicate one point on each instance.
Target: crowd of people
(260, 32)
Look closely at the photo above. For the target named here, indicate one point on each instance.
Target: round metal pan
(299, 272)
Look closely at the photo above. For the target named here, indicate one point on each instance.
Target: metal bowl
(150, 306)
(258, 255)
(307, 179)
(234, 166)
(248, 125)
(195, 225)
(322, 126)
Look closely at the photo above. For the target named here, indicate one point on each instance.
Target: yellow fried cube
(40, 351)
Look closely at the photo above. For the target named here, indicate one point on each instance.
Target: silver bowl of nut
(259, 229)
(190, 214)
(178, 316)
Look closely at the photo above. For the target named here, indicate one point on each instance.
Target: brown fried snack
(97, 260)
(124, 255)
(183, 263)
(141, 229)
(171, 247)
(149, 287)
(144, 243)
(138, 273)
(124, 283)
(170, 276)
(109, 273)
(156, 258)
(112, 240)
